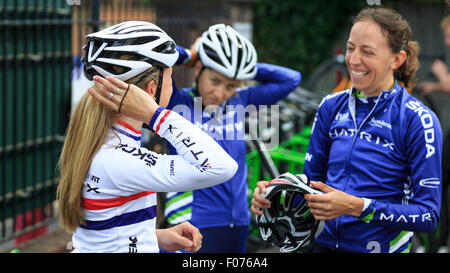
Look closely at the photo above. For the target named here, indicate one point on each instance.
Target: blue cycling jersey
(227, 204)
(386, 150)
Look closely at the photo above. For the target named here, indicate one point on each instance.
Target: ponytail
(406, 73)
(87, 131)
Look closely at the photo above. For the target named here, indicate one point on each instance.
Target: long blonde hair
(87, 131)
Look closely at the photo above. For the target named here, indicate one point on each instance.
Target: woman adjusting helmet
(108, 183)
(128, 49)
(223, 60)
(225, 50)
(134, 46)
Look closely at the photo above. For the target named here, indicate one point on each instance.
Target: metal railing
(40, 49)
(35, 64)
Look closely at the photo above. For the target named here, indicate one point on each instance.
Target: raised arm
(201, 161)
(275, 83)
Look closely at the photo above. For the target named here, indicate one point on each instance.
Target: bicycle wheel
(330, 76)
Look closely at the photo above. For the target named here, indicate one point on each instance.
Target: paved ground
(59, 241)
(54, 242)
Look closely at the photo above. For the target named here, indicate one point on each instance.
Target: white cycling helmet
(132, 46)
(225, 50)
(288, 223)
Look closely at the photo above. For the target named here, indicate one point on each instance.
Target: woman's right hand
(134, 103)
(258, 202)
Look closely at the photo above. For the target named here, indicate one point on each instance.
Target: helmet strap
(159, 87)
(196, 80)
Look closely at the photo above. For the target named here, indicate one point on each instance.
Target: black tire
(323, 80)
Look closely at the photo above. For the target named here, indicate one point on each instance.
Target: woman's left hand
(333, 203)
(184, 235)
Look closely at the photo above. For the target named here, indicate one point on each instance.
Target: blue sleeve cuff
(155, 116)
(277, 74)
(184, 55)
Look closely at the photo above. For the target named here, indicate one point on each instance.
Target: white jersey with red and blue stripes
(119, 200)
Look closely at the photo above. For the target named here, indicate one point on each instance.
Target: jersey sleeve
(184, 55)
(423, 147)
(200, 162)
(275, 83)
(316, 157)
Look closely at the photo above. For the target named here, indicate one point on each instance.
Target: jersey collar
(123, 128)
(385, 94)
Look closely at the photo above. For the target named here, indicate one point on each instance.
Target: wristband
(155, 116)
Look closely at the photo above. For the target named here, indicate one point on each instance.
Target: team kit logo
(235, 122)
(427, 122)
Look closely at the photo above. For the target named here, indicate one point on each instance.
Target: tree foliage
(300, 33)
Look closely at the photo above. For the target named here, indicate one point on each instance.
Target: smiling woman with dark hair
(374, 148)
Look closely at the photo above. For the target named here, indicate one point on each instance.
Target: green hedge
(300, 33)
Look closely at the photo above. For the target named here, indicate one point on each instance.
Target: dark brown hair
(399, 35)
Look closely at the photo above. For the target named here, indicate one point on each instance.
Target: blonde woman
(108, 182)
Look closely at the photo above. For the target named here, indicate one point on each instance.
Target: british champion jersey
(226, 204)
(387, 150)
(118, 198)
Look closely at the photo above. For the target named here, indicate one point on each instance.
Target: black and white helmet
(288, 223)
(127, 49)
(226, 51)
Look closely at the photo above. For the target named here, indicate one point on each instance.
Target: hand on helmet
(333, 203)
(286, 221)
(123, 98)
(258, 202)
